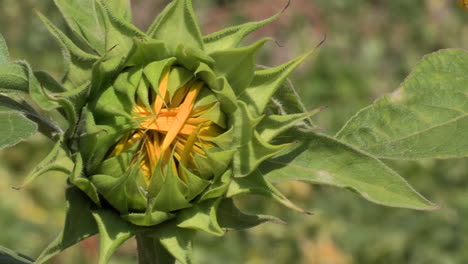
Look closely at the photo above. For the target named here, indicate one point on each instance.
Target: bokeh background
(371, 47)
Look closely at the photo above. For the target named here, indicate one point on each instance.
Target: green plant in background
(164, 128)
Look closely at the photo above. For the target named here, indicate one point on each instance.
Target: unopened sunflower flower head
(165, 127)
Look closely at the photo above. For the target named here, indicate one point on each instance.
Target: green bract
(166, 127)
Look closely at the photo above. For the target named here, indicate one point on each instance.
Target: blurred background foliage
(371, 47)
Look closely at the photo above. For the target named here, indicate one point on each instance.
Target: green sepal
(219, 86)
(8, 256)
(232, 218)
(4, 55)
(119, 33)
(122, 191)
(79, 180)
(176, 25)
(273, 125)
(215, 115)
(266, 82)
(119, 37)
(79, 224)
(195, 184)
(237, 65)
(202, 217)
(46, 165)
(224, 141)
(220, 160)
(146, 50)
(173, 192)
(191, 57)
(255, 183)
(82, 19)
(113, 232)
(148, 218)
(231, 37)
(14, 78)
(218, 187)
(178, 78)
(78, 63)
(154, 71)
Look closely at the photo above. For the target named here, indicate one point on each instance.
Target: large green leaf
(14, 128)
(325, 160)
(4, 55)
(427, 117)
(8, 256)
(13, 78)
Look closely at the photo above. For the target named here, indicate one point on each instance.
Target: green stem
(150, 251)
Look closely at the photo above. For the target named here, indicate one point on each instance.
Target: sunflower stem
(150, 251)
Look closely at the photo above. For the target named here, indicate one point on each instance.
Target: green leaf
(324, 160)
(4, 55)
(176, 25)
(15, 128)
(232, 36)
(8, 256)
(113, 232)
(13, 78)
(79, 225)
(427, 117)
(232, 218)
(81, 17)
(45, 126)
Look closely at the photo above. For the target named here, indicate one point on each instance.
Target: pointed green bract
(427, 117)
(202, 217)
(177, 25)
(81, 17)
(324, 160)
(79, 225)
(232, 218)
(237, 65)
(266, 82)
(231, 37)
(113, 232)
(78, 63)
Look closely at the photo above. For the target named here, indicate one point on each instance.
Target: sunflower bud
(165, 127)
